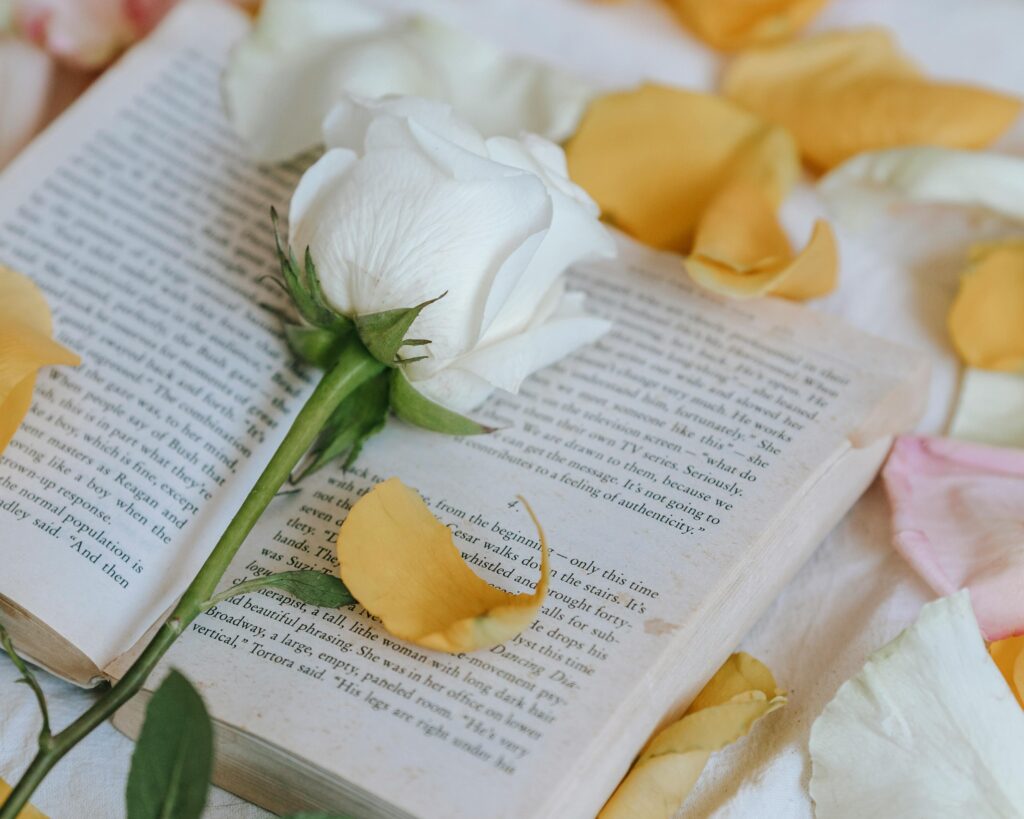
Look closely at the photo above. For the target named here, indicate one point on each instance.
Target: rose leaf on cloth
(986, 321)
(734, 24)
(696, 174)
(26, 345)
(958, 519)
(402, 565)
(842, 93)
(28, 812)
(990, 408)
(304, 56)
(740, 693)
(928, 728)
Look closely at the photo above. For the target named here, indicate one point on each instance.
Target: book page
(148, 234)
(658, 459)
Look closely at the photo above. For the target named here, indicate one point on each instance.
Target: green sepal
(384, 333)
(318, 346)
(360, 416)
(303, 286)
(413, 407)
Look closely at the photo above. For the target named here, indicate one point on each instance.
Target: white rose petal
(990, 409)
(862, 187)
(303, 56)
(409, 203)
(927, 729)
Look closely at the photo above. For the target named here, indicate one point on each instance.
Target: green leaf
(384, 333)
(173, 759)
(308, 585)
(360, 416)
(318, 346)
(303, 285)
(415, 408)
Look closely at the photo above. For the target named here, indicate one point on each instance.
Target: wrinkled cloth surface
(896, 281)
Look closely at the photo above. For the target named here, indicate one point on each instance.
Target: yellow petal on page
(741, 692)
(654, 158)
(986, 320)
(25, 347)
(732, 24)
(27, 812)
(402, 565)
(1008, 656)
(845, 92)
(741, 251)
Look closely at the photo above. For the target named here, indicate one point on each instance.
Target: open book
(684, 467)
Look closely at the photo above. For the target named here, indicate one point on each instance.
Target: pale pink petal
(26, 79)
(958, 514)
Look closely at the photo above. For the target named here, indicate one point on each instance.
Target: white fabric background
(898, 279)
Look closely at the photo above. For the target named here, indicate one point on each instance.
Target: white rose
(409, 203)
(303, 56)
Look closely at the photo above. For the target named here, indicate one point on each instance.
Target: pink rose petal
(958, 515)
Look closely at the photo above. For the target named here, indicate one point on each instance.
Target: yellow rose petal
(987, 318)
(654, 158)
(1008, 655)
(741, 251)
(845, 92)
(402, 565)
(25, 346)
(741, 692)
(27, 812)
(732, 24)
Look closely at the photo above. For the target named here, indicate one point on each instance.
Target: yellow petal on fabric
(741, 692)
(25, 347)
(1008, 656)
(732, 24)
(654, 158)
(741, 251)
(845, 92)
(402, 565)
(27, 812)
(986, 321)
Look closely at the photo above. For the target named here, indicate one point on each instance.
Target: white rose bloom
(303, 56)
(409, 203)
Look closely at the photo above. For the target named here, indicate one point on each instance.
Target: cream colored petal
(402, 565)
(28, 812)
(861, 188)
(842, 93)
(741, 692)
(990, 409)
(986, 321)
(928, 728)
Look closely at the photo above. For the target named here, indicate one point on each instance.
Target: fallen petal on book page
(927, 728)
(957, 520)
(844, 92)
(402, 565)
(26, 345)
(328, 49)
(741, 692)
